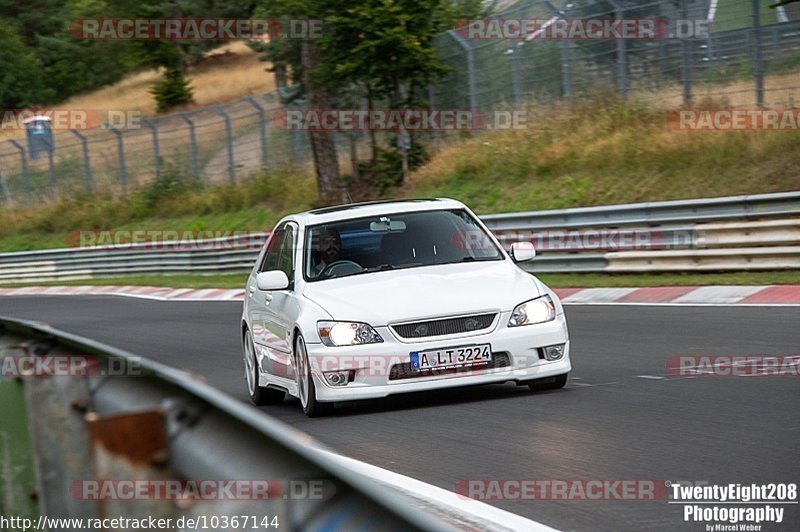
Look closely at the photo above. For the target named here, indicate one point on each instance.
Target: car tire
(548, 383)
(306, 390)
(259, 395)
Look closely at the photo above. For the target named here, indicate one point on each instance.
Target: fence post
(156, 154)
(297, 143)
(758, 67)
(6, 192)
(228, 140)
(26, 183)
(473, 96)
(52, 166)
(515, 81)
(566, 65)
(622, 54)
(123, 176)
(262, 129)
(87, 169)
(192, 145)
(686, 60)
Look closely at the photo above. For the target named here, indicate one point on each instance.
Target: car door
(274, 311)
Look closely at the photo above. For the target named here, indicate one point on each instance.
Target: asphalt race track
(609, 423)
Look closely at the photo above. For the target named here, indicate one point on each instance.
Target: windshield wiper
(381, 268)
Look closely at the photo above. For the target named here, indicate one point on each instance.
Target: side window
(286, 261)
(272, 255)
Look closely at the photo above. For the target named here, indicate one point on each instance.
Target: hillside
(595, 154)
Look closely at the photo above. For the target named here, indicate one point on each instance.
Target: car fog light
(338, 378)
(554, 352)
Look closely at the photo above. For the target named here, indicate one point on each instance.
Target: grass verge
(554, 280)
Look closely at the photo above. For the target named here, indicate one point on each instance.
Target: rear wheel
(306, 390)
(548, 383)
(259, 395)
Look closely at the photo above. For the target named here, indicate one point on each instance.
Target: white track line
(466, 512)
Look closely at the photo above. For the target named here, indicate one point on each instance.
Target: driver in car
(330, 249)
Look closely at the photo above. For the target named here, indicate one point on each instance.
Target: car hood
(400, 295)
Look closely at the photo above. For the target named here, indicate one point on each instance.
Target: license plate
(468, 355)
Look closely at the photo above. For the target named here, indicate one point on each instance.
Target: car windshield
(388, 242)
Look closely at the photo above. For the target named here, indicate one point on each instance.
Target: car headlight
(537, 310)
(337, 333)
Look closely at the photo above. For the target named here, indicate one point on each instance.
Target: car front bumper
(379, 370)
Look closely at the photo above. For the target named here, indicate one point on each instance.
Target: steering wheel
(340, 267)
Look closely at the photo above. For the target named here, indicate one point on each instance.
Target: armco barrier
(675, 231)
(724, 259)
(133, 420)
(784, 232)
(655, 213)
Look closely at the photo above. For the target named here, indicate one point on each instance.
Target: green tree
(20, 81)
(379, 49)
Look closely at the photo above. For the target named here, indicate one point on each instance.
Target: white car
(367, 300)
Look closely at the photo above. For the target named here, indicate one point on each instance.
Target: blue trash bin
(39, 130)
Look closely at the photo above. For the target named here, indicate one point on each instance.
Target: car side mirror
(272, 280)
(522, 251)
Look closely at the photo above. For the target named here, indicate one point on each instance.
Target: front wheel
(306, 390)
(259, 395)
(548, 383)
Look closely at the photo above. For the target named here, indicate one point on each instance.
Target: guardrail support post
(26, 183)
(139, 456)
(192, 145)
(59, 435)
(228, 141)
(156, 154)
(262, 129)
(123, 176)
(87, 169)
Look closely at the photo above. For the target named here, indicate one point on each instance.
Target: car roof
(374, 208)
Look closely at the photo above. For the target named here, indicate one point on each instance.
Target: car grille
(422, 329)
(403, 371)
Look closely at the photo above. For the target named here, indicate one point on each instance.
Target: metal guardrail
(666, 229)
(133, 419)
(653, 213)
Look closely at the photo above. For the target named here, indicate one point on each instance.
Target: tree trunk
(323, 144)
(373, 141)
(281, 78)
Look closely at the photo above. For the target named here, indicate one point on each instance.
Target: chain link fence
(217, 144)
(731, 53)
